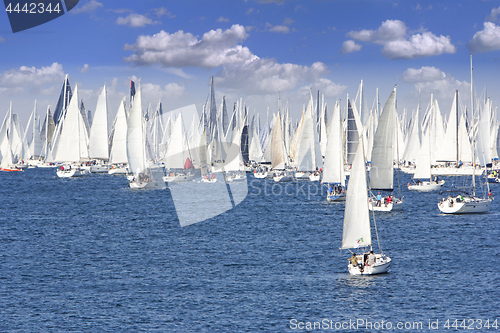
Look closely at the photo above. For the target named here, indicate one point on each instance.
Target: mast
(456, 110)
(474, 142)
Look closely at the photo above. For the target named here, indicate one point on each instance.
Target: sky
(258, 51)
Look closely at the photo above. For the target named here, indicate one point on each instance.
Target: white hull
(260, 175)
(315, 177)
(469, 205)
(382, 265)
(426, 186)
(453, 171)
(282, 178)
(135, 184)
(335, 197)
(73, 172)
(178, 178)
(118, 171)
(99, 168)
(236, 177)
(209, 180)
(395, 205)
(301, 175)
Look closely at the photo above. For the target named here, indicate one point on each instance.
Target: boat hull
(395, 205)
(335, 197)
(10, 169)
(282, 179)
(99, 169)
(469, 205)
(143, 185)
(426, 186)
(315, 177)
(178, 178)
(72, 173)
(260, 175)
(381, 266)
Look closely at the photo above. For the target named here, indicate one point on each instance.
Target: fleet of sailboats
(220, 146)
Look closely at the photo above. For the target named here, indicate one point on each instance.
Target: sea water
(91, 255)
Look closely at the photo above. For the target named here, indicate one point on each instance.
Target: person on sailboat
(379, 199)
(353, 260)
(371, 259)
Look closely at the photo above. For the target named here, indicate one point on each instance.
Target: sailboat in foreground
(465, 202)
(357, 229)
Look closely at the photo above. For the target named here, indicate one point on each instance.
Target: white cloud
(429, 81)
(241, 72)
(162, 11)
(392, 35)
(485, 40)
(493, 17)
(180, 49)
(266, 76)
(424, 74)
(31, 76)
(85, 68)
(135, 20)
(155, 92)
(88, 7)
(419, 45)
(2, 39)
(278, 28)
(350, 46)
(389, 30)
(326, 87)
(222, 19)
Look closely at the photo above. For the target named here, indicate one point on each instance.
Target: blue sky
(254, 48)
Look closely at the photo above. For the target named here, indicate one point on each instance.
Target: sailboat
(382, 166)
(279, 158)
(136, 147)
(466, 202)
(118, 153)
(177, 160)
(98, 136)
(333, 167)
(357, 230)
(7, 161)
(423, 169)
(71, 144)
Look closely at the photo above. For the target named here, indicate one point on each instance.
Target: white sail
(72, 141)
(255, 151)
(381, 171)
(136, 153)
(354, 131)
(412, 144)
(118, 154)
(357, 231)
(5, 146)
(333, 168)
(178, 148)
(423, 162)
(98, 139)
(277, 146)
(464, 142)
(448, 147)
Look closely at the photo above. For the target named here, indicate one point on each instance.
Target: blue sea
(91, 255)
